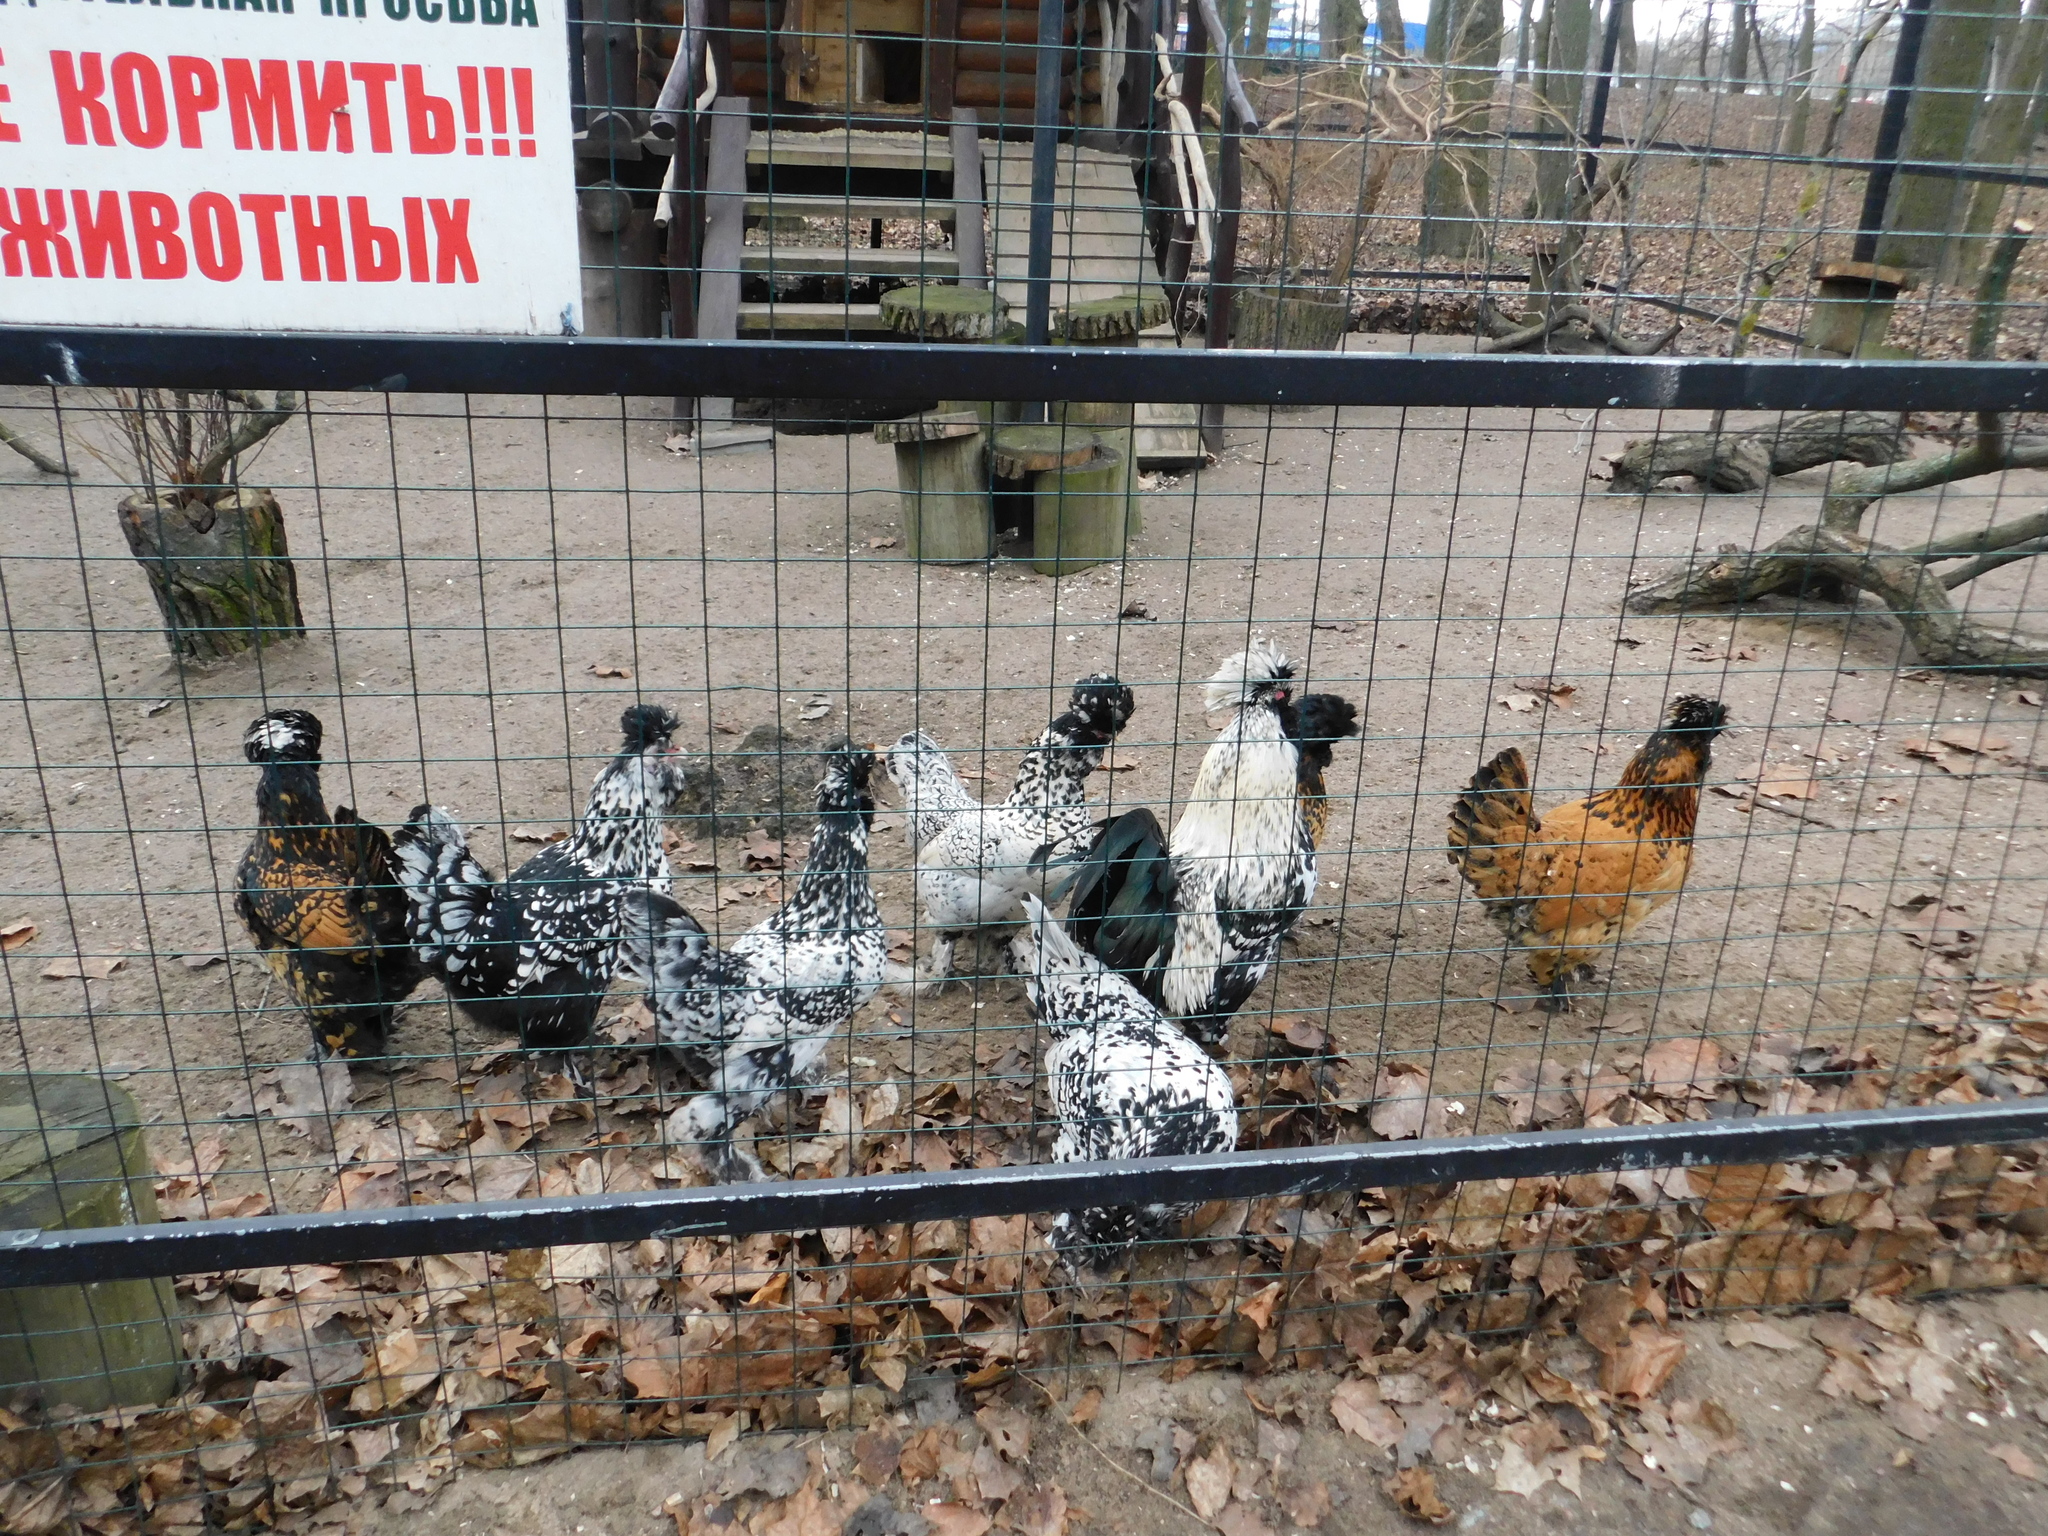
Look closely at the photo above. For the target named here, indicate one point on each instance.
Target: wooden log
(1028, 449)
(1114, 321)
(1080, 515)
(981, 88)
(1113, 424)
(945, 312)
(1293, 319)
(1015, 25)
(1745, 461)
(222, 574)
(72, 1155)
(928, 427)
(947, 515)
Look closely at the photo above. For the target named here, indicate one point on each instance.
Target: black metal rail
(849, 370)
(109, 1253)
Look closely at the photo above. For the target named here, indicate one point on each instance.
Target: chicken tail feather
(1489, 825)
(1123, 895)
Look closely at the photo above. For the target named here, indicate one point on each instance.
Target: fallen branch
(33, 454)
(1745, 461)
(1814, 556)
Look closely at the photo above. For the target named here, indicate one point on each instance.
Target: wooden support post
(942, 63)
(1180, 251)
(1079, 515)
(942, 473)
(969, 239)
(1223, 265)
(725, 229)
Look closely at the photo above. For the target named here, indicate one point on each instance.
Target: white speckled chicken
(1124, 1082)
(534, 953)
(1195, 923)
(755, 1020)
(975, 861)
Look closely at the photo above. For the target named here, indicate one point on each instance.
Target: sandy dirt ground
(1421, 562)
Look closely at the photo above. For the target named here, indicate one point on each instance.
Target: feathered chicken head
(648, 732)
(914, 756)
(283, 736)
(849, 770)
(1261, 674)
(1098, 708)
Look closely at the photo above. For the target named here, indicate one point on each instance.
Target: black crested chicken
(319, 894)
(1584, 876)
(1195, 922)
(534, 953)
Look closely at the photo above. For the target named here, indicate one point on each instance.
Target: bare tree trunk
(1457, 191)
(1523, 29)
(1393, 30)
(1799, 84)
(1738, 48)
(1706, 44)
(1923, 212)
(1627, 55)
(2006, 134)
(1261, 29)
(1560, 88)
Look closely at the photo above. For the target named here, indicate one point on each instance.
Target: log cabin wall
(993, 66)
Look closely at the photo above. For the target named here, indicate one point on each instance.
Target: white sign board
(330, 165)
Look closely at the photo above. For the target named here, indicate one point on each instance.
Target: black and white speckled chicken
(1125, 1082)
(1196, 921)
(317, 892)
(534, 953)
(975, 861)
(756, 1019)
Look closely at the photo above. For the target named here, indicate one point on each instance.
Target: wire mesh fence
(1758, 1024)
(1757, 179)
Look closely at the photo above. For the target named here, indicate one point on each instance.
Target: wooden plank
(725, 233)
(855, 151)
(854, 261)
(940, 61)
(933, 210)
(811, 318)
(969, 244)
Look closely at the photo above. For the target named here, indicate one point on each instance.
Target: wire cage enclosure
(1808, 1076)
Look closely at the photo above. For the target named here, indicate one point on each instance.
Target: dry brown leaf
(1357, 1408)
(1306, 1500)
(1208, 1480)
(537, 835)
(1040, 1512)
(1241, 1518)
(1414, 1494)
(82, 967)
(1603, 1317)
(1643, 1365)
(886, 542)
(1008, 1430)
(15, 934)
(1086, 1407)
(2017, 1462)
(1973, 739)
(1760, 1334)
(955, 1519)
(1519, 703)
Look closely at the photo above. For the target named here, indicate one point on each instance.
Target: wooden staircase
(766, 277)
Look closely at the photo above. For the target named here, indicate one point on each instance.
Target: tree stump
(1292, 319)
(943, 312)
(1114, 321)
(1080, 515)
(943, 478)
(71, 1155)
(222, 574)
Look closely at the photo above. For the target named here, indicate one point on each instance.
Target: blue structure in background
(1284, 41)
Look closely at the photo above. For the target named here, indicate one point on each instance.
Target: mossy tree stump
(942, 312)
(1116, 321)
(1292, 319)
(943, 478)
(71, 1155)
(1081, 514)
(221, 571)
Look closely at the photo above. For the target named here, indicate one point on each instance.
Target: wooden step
(858, 151)
(811, 206)
(856, 261)
(811, 317)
